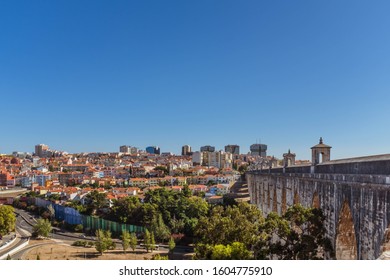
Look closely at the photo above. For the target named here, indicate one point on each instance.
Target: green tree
(104, 241)
(95, 201)
(7, 219)
(160, 230)
(177, 225)
(147, 240)
(148, 214)
(231, 224)
(190, 225)
(298, 235)
(78, 228)
(180, 212)
(158, 257)
(240, 252)
(42, 228)
(78, 206)
(186, 191)
(196, 207)
(152, 242)
(223, 226)
(235, 251)
(125, 240)
(133, 241)
(221, 252)
(171, 245)
(127, 210)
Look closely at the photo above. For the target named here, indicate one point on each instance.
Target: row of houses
(68, 194)
(78, 178)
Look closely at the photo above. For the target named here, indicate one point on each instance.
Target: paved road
(22, 235)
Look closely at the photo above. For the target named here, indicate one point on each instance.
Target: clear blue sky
(94, 75)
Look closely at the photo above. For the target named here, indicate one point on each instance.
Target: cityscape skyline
(195, 130)
(130, 149)
(195, 73)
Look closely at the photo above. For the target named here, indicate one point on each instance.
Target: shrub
(78, 228)
(80, 243)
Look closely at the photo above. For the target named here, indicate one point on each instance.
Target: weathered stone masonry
(353, 193)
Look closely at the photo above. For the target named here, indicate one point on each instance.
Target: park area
(55, 251)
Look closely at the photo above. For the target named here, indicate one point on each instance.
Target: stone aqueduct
(354, 195)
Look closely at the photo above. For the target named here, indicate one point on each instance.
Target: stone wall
(357, 207)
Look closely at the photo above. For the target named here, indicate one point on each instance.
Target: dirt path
(67, 252)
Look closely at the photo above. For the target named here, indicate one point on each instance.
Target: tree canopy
(163, 211)
(125, 240)
(95, 201)
(235, 251)
(104, 241)
(240, 232)
(7, 219)
(42, 228)
(239, 223)
(297, 235)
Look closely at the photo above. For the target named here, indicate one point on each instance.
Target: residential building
(154, 150)
(258, 150)
(207, 148)
(197, 158)
(41, 179)
(226, 160)
(220, 159)
(186, 150)
(3, 178)
(41, 150)
(219, 189)
(233, 149)
(133, 150)
(197, 188)
(125, 149)
(25, 182)
(214, 159)
(138, 182)
(21, 155)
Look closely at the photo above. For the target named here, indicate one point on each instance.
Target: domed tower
(320, 153)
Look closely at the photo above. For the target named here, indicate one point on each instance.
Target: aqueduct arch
(275, 202)
(386, 240)
(316, 201)
(296, 198)
(284, 201)
(346, 246)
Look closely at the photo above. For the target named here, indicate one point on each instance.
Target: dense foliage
(240, 232)
(104, 241)
(163, 212)
(42, 228)
(297, 235)
(7, 219)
